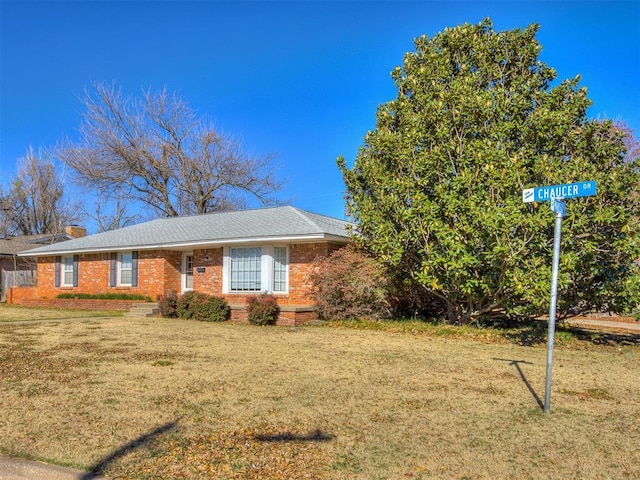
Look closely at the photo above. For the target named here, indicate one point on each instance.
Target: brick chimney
(75, 231)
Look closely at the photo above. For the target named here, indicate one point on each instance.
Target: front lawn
(17, 313)
(160, 398)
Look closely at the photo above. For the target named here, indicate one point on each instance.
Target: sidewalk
(605, 325)
(20, 469)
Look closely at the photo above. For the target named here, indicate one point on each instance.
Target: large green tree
(436, 188)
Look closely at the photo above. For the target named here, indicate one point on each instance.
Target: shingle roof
(13, 247)
(259, 225)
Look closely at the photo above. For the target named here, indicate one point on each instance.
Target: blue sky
(301, 79)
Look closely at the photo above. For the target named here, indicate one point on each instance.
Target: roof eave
(185, 246)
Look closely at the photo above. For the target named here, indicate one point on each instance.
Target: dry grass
(17, 313)
(158, 398)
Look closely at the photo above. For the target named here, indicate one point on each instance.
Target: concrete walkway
(20, 469)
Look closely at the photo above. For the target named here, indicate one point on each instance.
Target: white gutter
(185, 246)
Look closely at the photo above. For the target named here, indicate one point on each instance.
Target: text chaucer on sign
(568, 190)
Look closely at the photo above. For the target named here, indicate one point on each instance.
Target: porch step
(143, 310)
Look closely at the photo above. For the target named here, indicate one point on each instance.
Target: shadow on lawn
(535, 332)
(516, 363)
(315, 436)
(97, 469)
(606, 338)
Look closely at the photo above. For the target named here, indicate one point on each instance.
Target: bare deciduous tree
(155, 149)
(34, 201)
(112, 214)
(631, 142)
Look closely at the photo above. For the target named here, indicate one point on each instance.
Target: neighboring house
(15, 270)
(231, 254)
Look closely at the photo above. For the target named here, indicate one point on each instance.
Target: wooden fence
(15, 278)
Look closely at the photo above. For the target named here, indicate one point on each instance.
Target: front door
(187, 272)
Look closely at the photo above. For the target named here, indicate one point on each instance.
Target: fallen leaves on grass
(38, 366)
(262, 453)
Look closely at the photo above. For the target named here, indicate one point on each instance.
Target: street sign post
(556, 194)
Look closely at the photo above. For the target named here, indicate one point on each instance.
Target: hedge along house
(232, 255)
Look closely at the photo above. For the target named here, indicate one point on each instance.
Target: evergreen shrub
(105, 296)
(213, 309)
(188, 304)
(202, 307)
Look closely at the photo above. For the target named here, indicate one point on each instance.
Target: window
(187, 272)
(124, 269)
(255, 269)
(246, 274)
(67, 272)
(280, 269)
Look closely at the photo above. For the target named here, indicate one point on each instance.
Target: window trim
(61, 271)
(185, 271)
(115, 270)
(286, 269)
(267, 269)
(65, 262)
(120, 269)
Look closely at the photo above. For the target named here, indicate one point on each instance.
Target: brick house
(231, 254)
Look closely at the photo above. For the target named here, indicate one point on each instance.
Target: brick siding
(301, 258)
(160, 272)
(208, 281)
(289, 316)
(20, 295)
(80, 304)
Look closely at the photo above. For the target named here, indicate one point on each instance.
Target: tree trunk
(453, 314)
(457, 314)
